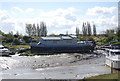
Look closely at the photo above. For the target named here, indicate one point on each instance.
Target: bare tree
(84, 29)
(66, 32)
(110, 31)
(94, 30)
(89, 29)
(43, 29)
(77, 31)
(34, 30)
(38, 30)
(29, 29)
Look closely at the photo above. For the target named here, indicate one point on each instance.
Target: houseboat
(113, 56)
(4, 51)
(62, 44)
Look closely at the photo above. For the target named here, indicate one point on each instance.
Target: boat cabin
(63, 40)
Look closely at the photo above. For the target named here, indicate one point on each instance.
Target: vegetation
(86, 29)
(28, 53)
(17, 41)
(105, 77)
(33, 30)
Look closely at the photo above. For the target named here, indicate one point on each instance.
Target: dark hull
(62, 49)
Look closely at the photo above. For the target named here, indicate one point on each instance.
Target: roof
(51, 38)
(66, 37)
(73, 36)
(57, 38)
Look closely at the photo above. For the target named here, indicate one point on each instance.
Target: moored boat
(62, 44)
(4, 51)
(113, 56)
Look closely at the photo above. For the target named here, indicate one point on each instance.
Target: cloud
(59, 20)
(17, 9)
(103, 17)
(5, 24)
(101, 10)
(29, 10)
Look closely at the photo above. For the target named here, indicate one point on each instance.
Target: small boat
(4, 51)
(113, 56)
(62, 44)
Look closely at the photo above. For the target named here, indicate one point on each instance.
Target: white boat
(4, 51)
(113, 56)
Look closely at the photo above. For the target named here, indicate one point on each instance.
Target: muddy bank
(34, 62)
(54, 66)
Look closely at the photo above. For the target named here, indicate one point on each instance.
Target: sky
(60, 17)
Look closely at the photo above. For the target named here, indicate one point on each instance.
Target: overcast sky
(59, 16)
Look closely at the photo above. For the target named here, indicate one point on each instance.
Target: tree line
(86, 29)
(36, 30)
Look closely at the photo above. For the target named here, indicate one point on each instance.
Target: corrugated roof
(66, 37)
(51, 38)
(73, 36)
(57, 38)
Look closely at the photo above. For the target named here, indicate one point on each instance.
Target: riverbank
(74, 66)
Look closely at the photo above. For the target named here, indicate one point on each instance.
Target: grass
(16, 46)
(105, 77)
(28, 53)
(19, 46)
(33, 54)
(117, 43)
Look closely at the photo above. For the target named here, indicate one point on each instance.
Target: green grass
(16, 46)
(105, 77)
(117, 43)
(28, 53)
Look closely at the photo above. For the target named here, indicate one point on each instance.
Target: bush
(27, 39)
(16, 42)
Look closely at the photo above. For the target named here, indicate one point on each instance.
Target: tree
(77, 31)
(89, 29)
(118, 33)
(38, 30)
(16, 41)
(11, 33)
(34, 30)
(110, 31)
(27, 39)
(94, 30)
(29, 29)
(85, 29)
(43, 29)
(66, 32)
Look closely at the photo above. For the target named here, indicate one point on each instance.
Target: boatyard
(58, 41)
